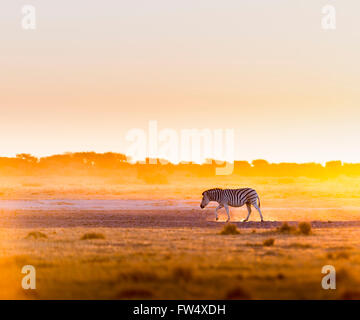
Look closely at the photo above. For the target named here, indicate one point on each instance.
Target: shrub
(305, 228)
(36, 235)
(269, 242)
(92, 235)
(229, 229)
(285, 228)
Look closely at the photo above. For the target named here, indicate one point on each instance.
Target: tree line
(87, 163)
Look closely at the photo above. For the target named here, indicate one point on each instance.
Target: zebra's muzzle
(201, 206)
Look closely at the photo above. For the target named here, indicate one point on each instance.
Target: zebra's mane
(213, 189)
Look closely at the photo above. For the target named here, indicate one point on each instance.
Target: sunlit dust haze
(92, 71)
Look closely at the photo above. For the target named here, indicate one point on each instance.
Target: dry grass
(134, 293)
(92, 235)
(300, 245)
(269, 242)
(305, 228)
(136, 263)
(36, 235)
(229, 229)
(154, 261)
(286, 228)
(338, 255)
(182, 273)
(351, 295)
(237, 293)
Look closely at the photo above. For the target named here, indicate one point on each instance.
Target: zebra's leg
(216, 210)
(258, 209)
(227, 211)
(248, 205)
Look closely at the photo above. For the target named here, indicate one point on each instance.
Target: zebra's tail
(259, 201)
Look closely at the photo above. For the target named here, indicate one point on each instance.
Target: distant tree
(27, 157)
(260, 163)
(333, 164)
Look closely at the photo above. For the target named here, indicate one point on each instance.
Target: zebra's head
(205, 200)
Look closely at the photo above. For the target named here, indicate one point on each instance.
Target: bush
(36, 235)
(285, 228)
(229, 229)
(92, 235)
(305, 228)
(269, 242)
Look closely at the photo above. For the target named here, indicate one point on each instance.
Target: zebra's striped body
(233, 198)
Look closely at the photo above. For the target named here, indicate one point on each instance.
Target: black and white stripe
(233, 198)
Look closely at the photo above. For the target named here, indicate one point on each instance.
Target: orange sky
(90, 73)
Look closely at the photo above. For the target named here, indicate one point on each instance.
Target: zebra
(233, 198)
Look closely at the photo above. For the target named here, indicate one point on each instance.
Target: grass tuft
(286, 228)
(36, 235)
(305, 228)
(92, 235)
(229, 229)
(269, 242)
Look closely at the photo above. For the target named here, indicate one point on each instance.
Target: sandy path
(160, 214)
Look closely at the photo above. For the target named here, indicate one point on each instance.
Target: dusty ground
(178, 253)
(158, 243)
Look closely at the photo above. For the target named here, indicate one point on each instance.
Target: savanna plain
(112, 238)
